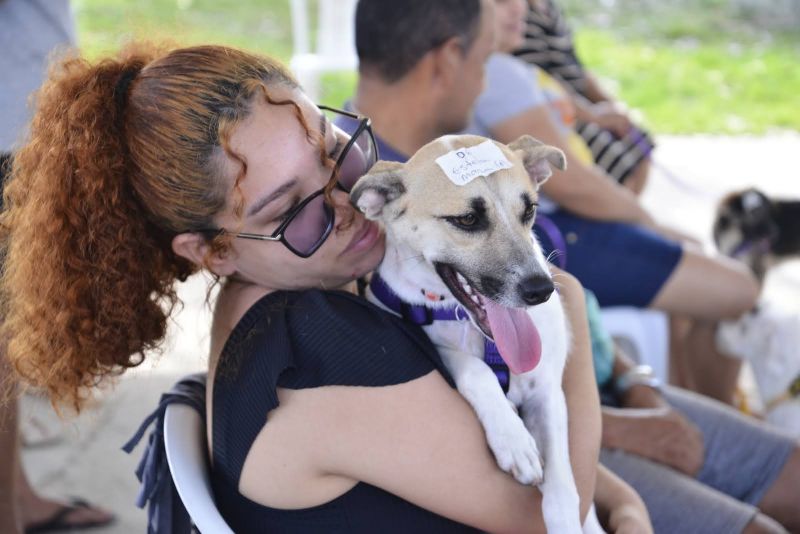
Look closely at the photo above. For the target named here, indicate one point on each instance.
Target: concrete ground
(692, 174)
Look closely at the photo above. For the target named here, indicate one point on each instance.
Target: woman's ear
(194, 247)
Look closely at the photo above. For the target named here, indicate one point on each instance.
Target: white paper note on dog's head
(465, 164)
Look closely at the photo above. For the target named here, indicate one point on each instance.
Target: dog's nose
(535, 290)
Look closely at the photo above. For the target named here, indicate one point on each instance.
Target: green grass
(672, 65)
(261, 26)
(689, 87)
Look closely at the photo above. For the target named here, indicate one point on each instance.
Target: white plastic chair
(184, 441)
(335, 47)
(644, 332)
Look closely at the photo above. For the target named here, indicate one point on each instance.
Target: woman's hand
(660, 434)
(619, 507)
(629, 518)
(609, 117)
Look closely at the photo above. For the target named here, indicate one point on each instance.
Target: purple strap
(640, 140)
(422, 315)
(760, 246)
(555, 236)
(413, 313)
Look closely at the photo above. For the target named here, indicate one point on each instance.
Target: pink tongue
(515, 335)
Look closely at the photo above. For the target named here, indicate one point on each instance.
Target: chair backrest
(335, 30)
(185, 443)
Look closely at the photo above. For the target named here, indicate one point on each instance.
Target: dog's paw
(516, 452)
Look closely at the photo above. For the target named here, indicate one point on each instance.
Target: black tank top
(309, 339)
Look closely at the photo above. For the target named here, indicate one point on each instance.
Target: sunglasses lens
(310, 226)
(357, 160)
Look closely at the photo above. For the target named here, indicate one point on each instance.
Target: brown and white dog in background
(757, 230)
(762, 232)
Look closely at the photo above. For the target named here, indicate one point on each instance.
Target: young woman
(324, 413)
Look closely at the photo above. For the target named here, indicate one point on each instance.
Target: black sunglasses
(310, 223)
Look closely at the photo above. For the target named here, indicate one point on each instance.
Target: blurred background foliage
(687, 66)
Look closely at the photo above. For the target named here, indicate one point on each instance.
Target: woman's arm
(583, 403)
(619, 507)
(593, 91)
(581, 189)
(419, 440)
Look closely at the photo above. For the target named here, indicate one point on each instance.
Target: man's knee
(748, 291)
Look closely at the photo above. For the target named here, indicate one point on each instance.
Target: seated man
(415, 91)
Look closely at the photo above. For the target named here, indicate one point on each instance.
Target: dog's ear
(380, 186)
(537, 157)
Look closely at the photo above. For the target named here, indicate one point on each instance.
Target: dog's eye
(467, 220)
(529, 213)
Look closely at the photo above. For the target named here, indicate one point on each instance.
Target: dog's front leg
(545, 416)
(513, 446)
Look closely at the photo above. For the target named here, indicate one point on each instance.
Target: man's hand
(660, 434)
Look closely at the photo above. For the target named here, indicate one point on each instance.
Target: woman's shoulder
(511, 89)
(505, 66)
(314, 338)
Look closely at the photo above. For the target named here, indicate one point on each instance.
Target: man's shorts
(623, 264)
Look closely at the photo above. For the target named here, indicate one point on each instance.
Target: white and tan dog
(458, 218)
(768, 338)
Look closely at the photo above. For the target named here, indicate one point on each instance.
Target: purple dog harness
(422, 315)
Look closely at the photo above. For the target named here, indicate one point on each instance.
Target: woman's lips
(364, 239)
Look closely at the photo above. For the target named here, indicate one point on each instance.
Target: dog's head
(465, 205)
(743, 217)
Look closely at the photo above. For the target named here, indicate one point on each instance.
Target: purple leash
(422, 315)
(556, 238)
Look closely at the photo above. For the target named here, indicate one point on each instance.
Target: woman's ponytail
(122, 156)
(87, 283)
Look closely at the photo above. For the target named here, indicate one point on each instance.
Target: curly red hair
(122, 156)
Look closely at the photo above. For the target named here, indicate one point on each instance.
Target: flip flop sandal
(59, 521)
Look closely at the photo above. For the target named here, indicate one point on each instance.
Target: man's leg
(780, 501)
(745, 458)
(9, 462)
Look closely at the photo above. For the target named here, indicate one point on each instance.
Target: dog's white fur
(769, 340)
(533, 446)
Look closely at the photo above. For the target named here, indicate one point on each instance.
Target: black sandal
(59, 522)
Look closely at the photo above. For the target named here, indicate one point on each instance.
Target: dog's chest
(465, 338)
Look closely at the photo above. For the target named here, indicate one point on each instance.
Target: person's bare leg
(780, 502)
(762, 524)
(9, 518)
(706, 288)
(710, 372)
(679, 328)
(20, 505)
(33, 508)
